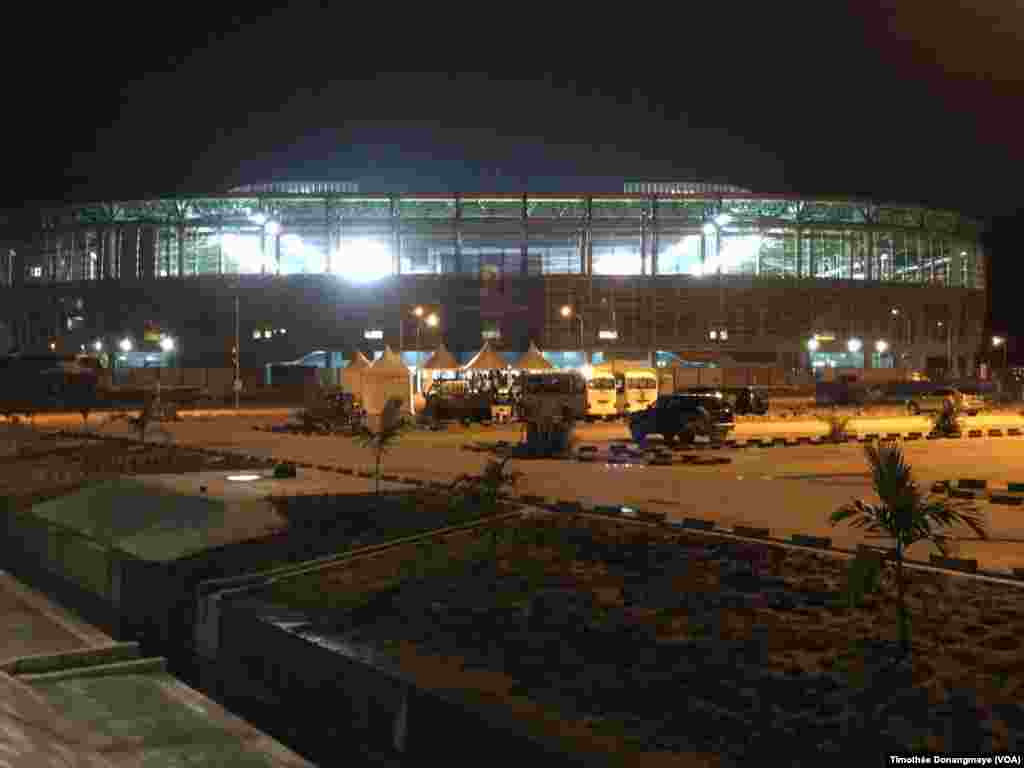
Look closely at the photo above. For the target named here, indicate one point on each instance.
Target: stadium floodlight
(853, 345)
(273, 228)
(259, 219)
(709, 228)
(813, 345)
(126, 345)
(167, 344)
(722, 219)
(365, 260)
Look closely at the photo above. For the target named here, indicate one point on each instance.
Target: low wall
(374, 700)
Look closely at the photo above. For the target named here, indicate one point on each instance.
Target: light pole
(880, 347)
(568, 313)
(419, 324)
(949, 348)
(812, 347)
(238, 353)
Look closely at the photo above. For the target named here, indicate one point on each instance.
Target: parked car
(744, 400)
(933, 399)
(684, 416)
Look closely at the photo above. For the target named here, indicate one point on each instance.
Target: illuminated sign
(373, 334)
(608, 335)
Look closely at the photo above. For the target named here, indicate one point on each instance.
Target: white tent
(387, 378)
(441, 360)
(352, 375)
(532, 360)
(486, 360)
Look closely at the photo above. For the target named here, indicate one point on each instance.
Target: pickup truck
(684, 416)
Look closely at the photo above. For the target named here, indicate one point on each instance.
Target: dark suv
(744, 400)
(685, 416)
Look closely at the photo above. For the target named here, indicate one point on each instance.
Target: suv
(933, 400)
(684, 416)
(744, 400)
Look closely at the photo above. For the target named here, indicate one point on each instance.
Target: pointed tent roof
(389, 363)
(358, 361)
(486, 360)
(532, 360)
(441, 360)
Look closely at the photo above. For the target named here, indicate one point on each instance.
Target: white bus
(641, 390)
(601, 397)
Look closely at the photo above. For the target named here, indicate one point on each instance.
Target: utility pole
(238, 353)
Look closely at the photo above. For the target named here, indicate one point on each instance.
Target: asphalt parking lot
(789, 490)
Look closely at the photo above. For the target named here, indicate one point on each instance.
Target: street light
(566, 311)
(432, 320)
(881, 346)
(98, 345)
(126, 345)
(167, 344)
(853, 345)
(813, 345)
(1000, 341)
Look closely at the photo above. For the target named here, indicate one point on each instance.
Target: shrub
(947, 421)
(905, 514)
(863, 577)
(837, 424)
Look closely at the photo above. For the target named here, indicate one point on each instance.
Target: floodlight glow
(244, 478)
(366, 260)
(723, 335)
(418, 311)
(167, 344)
(566, 310)
(709, 228)
(273, 228)
(722, 219)
(853, 345)
(53, 345)
(997, 341)
(259, 218)
(432, 320)
(713, 335)
(813, 345)
(895, 311)
(881, 346)
(245, 250)
(587, 371)
(126, 345)
(98, 345)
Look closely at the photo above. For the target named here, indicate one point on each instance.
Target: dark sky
(917, 104)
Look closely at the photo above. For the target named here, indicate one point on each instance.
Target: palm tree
(392, 427)
(905, 514)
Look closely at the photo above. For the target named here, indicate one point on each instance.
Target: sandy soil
(965, 634)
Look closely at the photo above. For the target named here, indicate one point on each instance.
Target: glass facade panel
(737, 253)
(302, 255)
(773, 255)
(492, 247)
(554, 248)
(617, 252)
(427, 249)
(858, 255)
(242, 253)
(679, 253)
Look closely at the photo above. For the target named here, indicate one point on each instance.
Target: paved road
(790, 490)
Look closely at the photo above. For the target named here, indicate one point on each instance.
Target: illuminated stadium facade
(663, 267)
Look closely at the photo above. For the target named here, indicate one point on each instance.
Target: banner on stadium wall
(151, 333)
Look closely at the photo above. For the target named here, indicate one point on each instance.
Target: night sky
(920, 104)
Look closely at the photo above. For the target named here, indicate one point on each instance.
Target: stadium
(689, 273)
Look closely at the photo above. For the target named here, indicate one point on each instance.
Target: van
(601, 397)
(641, 390)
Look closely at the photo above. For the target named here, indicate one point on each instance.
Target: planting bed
(615, 639)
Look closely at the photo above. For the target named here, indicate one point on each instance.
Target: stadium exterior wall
(661, 272)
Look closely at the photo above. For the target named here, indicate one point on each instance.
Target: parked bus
(641, 390)
(601, 397)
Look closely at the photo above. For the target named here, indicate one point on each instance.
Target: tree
(392, 426)
(905, 514)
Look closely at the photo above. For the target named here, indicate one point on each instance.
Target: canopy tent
(486, 360)
(532, 360)
(441, 360)
(387, 378)
(351, 376)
